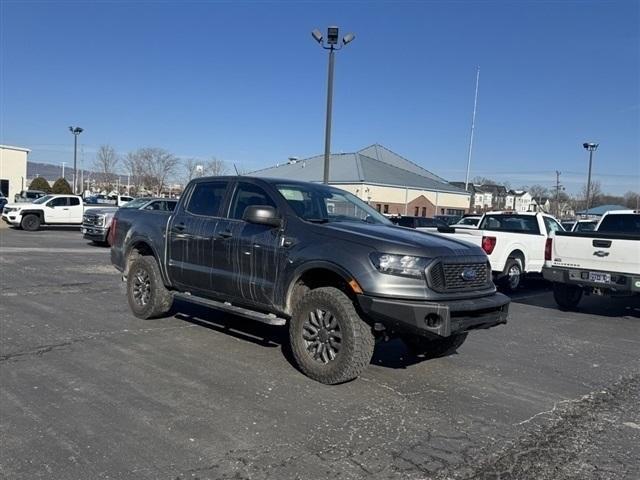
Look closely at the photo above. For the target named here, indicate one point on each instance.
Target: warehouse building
(384, 179)
(13, 170)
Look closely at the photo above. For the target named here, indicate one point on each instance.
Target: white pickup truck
(47, 210)
(514, 242)
(603, 262)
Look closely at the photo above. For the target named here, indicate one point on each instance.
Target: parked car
(47, 210)
(310, 256)
(448, 219)
(112, 200)
(468, 222)
(419, 223)
(96, 222)
(28, 196)
(580, 225)
(3, 201)
(514, 242)
(603, 262)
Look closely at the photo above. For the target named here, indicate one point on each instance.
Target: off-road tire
(30, 222)
(567, 296)
(145, 270)
(426, 348)
(508, 285)
(357, 340)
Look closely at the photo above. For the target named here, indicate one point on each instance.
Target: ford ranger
(310, 257)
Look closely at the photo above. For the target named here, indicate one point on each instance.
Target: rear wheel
(329, 341)
(513, 273)
(427, 348)
(567, 296)
(146, 293)
(30, 222)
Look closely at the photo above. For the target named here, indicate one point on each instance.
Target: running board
(268, 318)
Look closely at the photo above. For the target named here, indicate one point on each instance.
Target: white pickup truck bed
(601, 262)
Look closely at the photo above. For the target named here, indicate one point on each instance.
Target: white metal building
(13, 170)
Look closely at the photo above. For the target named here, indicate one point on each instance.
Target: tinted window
(511, 223)
(247, 195)
(407, 222)
(586, 226)
(622, 223)
(469, 221)
(207, 198)
(157, 205)
(551, 225)
(74, 201)
(58, 202)
(171, 206)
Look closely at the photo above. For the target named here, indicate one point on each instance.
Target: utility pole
(591, 147)
(473, 125)
(76, 131)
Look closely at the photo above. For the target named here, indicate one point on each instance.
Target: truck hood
(399, 240)
(100, 210)
(22, 205)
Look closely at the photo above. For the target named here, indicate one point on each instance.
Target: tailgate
(597, 253)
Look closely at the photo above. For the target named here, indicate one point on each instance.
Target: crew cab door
(76, 210)
(247, 255)
(56, 210)
(191, 237)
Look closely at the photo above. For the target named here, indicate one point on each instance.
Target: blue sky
(245, 82)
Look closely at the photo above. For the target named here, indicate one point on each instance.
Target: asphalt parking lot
(90, 392)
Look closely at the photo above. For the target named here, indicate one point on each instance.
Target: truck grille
(451, 277)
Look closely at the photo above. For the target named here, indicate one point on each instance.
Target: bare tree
(538, 192)
(215, 167)
(632, 200)
(133, 164)
(595, 194)
(483, 181)
(159, 166)
(106, 163)
(190, 168)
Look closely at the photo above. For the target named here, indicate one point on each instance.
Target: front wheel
(428, 348)
(329, 341)
(146, 293)
(567, 296)
(30, 223)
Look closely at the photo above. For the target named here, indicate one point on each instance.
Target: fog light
(433, 320)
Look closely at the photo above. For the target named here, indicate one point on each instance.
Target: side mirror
(262, 215)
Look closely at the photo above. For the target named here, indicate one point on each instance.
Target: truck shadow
(390, 354)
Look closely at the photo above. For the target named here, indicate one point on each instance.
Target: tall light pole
(591, 147)
(331, 44)
(76, 131)
(63, 164)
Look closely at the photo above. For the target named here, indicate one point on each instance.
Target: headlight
(402, 265)
(99, 221)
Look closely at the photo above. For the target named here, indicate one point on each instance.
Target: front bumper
(620, 282)
(436, 319)
(12, 218)
(96, 234)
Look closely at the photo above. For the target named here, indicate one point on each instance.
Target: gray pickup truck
(310, 257)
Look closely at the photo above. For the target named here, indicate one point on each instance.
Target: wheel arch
(318, 274)
(142, 247)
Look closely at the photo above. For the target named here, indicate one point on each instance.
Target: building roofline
(19, 149)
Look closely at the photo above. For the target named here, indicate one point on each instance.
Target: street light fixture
(76, 131)
(591, 147)
(331, 44)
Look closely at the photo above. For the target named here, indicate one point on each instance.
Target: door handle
(65, 209)
(178, 228)
(601, 243)
(225, 234)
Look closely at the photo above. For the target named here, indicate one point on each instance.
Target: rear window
(586, 226)
(622, 223)
(511, 223)
(207, 198)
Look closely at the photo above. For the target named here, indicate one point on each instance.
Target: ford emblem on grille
(469, 274)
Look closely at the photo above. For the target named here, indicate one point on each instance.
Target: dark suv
(312, 257)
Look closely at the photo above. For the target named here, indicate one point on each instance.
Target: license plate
(599, 277)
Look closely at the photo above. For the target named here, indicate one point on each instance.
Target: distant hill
(52, 172)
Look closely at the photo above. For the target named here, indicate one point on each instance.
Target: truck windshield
(319, 203)
(620, 223)
(43, 199)
(137, 203)
(511, 223)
